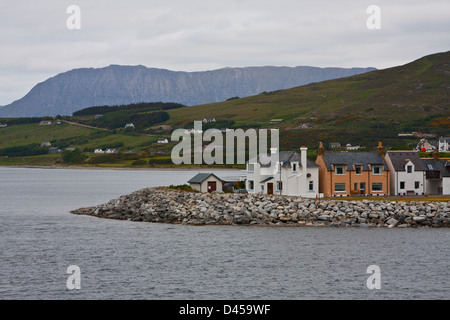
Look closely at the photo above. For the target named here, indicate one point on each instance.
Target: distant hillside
(358, 109)
(68, 92)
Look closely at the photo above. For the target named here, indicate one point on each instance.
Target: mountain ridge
(79, 88)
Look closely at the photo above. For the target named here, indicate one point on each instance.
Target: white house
(444, 144)
(293, 175)
(407, 173)
(162, 140)
(3, 125)
(99, 151)
(129, 125)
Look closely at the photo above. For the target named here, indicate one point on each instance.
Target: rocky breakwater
(180, 207)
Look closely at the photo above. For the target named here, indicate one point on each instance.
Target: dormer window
(339, 170)
(294, 167)
(357, 169)
(409, 169)
(377, 169)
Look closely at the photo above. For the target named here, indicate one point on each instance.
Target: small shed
(206, 182)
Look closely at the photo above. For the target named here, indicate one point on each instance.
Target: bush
(183, 187)
(73, 157)
(140, 162)
(23, 151)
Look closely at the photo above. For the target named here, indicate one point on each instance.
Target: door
(270, 188)
(362, 188)
(212, 186)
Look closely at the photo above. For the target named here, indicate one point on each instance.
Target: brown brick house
(349, 173)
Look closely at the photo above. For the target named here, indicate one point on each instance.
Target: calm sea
(40, 239)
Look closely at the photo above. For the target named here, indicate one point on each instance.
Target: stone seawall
(180, 207)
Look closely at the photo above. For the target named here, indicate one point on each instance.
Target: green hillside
(360, 109)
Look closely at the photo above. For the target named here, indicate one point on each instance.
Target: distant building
(349, 147)
(305, 125)
(45, 123)
(99, 151)
(129, 125)
(97, 116)
(46, 144)
(3, 125)
(54, 150)
(112, 151)
(444, 144)
(162, 140)
(334, 145)
(276, 120)
(426, 146)
(206, 120)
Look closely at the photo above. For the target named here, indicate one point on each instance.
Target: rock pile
(181, 207)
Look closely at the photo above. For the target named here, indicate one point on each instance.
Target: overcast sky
(198, 35)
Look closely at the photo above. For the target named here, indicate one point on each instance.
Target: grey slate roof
(200, 177)
(443, 166)
(350, 159)
(398, 159)
(287, 157)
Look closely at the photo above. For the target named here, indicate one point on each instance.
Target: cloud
(194, 35)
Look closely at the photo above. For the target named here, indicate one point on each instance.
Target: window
(339, 170)
(251, 184)
(357, 170)
(251, 167)
(294, 167)
(409, 169)
(377, 186)
(402, 184)
(262, 187)
(416, 184)
(355, 186)
(377, 170)
(311, 186)
(279, 185)
(339, 187)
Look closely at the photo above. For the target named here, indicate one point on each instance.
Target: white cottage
(408, 173)
(293, 175)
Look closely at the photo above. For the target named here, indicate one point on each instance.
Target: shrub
(140, 162)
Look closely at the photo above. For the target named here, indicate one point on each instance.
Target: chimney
(321, 150)
(436, 155)
(380, 149)
(303, 153)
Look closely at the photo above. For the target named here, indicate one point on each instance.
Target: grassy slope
(379, 104)
(23, 134)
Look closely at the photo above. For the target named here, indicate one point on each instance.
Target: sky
(36, 42)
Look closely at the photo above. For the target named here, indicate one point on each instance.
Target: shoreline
(171, 206)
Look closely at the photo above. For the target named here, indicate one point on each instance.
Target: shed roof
(200, 177)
